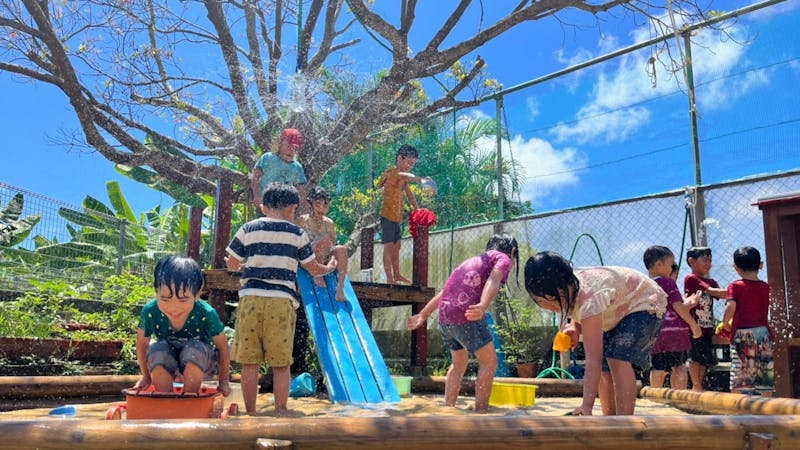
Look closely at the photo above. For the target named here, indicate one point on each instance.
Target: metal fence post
(121, 248)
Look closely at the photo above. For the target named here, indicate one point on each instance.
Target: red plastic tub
(148, 404)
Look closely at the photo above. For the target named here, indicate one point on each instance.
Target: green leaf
(80, 218)
(119, 202)
(13, 209)
(91, 204)
(159, 183)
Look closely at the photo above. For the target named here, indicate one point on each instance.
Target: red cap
(292, 137)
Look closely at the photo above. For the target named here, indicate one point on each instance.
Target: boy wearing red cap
(280, 167)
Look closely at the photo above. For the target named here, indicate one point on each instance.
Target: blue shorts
(174, 357)
(632, 339)
(471, 335)
(390, 231)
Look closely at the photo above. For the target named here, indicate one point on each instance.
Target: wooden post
(367, 262)
(419, 337)
(367, 248)
(222, 236)
(195, 230)
(781, 217)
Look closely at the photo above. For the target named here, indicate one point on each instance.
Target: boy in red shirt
(702, 353)
(747, 319)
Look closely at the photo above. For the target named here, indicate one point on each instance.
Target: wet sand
(414, 405)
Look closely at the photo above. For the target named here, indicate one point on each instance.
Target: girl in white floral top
(617, 310)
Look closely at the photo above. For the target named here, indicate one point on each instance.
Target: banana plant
(14, 230)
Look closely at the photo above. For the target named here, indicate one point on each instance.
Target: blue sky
(605, 118)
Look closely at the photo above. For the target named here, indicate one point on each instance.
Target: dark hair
(317, 193)
(179, 272)
(549, 274)
(747, 258)
(280, 195)
(655, 253)
(696, 252)
(505, 243)
(675, 268)
(406, 151)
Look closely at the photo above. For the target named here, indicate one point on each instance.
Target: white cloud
(580, 55)
(548, 170)
(714, 57)
(532, 105)
(615, 107)
(606, 116)
(774, 10)
(794, 65)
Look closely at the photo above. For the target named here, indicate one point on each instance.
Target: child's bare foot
(340, 297)
(402, 279)
(319, 281)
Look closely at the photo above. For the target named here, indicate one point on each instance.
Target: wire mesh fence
(43, 239)
(615, 233)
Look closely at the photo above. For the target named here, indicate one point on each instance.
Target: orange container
(148, 404)
(562, 342)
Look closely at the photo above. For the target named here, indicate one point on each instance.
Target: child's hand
(581, 411)
(475, 312)
(573, 330)
(331, 265)
(143, 383)
(232, 263)
(691, 300)
(415, 321)
(224, 386)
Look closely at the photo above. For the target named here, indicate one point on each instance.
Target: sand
(414, 405)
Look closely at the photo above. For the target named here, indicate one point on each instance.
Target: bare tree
(201, 78)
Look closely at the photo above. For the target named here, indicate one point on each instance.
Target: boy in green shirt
(186, 330)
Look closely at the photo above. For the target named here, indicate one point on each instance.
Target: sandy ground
(414, 405)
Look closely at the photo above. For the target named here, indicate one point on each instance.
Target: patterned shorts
(632, 339)
(264, 331)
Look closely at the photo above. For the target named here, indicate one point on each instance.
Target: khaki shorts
(264, 331)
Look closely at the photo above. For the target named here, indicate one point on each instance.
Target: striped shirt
(271, 250)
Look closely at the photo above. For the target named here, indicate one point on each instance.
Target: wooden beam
(222, 279)
(65, 386)
(722, 402)
(419, 433)
(392, 293)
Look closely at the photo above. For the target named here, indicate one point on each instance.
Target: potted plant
(522, 343)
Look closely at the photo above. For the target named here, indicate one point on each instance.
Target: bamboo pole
(419, 433)
(64, 386)
(722, 402)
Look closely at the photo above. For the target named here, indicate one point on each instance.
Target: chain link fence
(615, 233)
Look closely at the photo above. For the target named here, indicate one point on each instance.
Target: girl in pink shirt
(462, 306)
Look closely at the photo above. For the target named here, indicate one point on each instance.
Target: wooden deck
(370, 296)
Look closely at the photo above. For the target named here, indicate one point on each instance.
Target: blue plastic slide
(352, 364)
